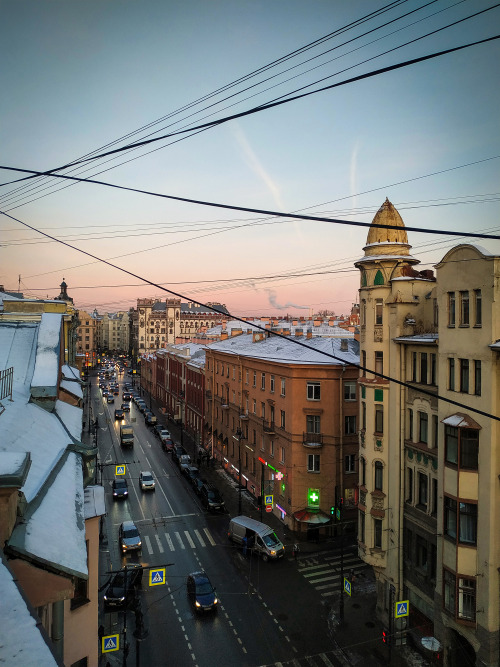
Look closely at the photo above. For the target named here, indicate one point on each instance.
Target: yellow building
(427, 523)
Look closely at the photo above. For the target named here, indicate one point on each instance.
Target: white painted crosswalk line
(160, 545)
(179, 539)
(148, 545)
(209, 537)
(169, 542)
(190, 540)
(200, 538)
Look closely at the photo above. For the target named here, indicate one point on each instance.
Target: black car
(211, 498)
(150, 419)
(177, 452)
(191, 473)
(122, 586)
(198, 482)
(120, 488)
(119, 414)
(200, 591)
(126, 407)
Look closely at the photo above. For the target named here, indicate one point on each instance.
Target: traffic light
(332, 509)
(386, 637)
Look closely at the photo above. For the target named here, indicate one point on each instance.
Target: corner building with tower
(429, 442)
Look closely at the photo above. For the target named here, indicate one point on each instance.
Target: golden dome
(387, 215)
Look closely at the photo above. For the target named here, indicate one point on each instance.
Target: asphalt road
(268, 613)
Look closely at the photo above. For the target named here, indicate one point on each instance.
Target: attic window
(379, 278)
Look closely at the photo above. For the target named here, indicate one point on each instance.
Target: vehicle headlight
(273, 553)
(197, 604)
(139, 543)
(216, 600)
(122, 599)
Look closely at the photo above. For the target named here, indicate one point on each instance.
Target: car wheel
(265, 558)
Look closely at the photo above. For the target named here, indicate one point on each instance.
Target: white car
(146, 481)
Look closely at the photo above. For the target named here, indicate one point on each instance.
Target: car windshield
(120, 484)
(130, 532)
(270, 540)
(204, 587)
(147, 477)
(213, 495)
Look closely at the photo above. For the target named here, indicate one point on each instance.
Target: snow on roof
(418, 338)
(72, 388)
(71, 416)
(94, 504)
(11, 462)
(198, 359)
(60, 509)
(22, 644)
(371, 258)
(46, 373)
(17, 350)
(459, 420)
(289, 350)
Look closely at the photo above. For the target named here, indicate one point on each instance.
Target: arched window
(379, 278)
(379, 476)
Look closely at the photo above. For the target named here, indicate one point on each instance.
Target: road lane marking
(160, 545)
(209, 537)
(169, 541)
(148, 545)
(200, 538)
(179, 539)
(190, 540)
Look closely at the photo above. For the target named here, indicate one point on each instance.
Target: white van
(260, 538)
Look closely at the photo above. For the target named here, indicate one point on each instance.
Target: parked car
(211, 499)
(146, 481)
(198, 483)
(120, 488)
(122, 586)
(129, 537)
(201, 593)
(184, 461)
(191, 473)
(177, 452)
(126, 407)
(168, 444)
(126, 396)
(119, 414)
(150, 419)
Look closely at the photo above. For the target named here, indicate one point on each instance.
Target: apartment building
(429, 498)
(282, 418)
(88, 338)
(115, 332)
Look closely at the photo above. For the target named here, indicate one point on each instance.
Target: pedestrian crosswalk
(177, 540)
(324, 571)
(328, 659)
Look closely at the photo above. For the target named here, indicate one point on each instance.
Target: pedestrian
(295, 550)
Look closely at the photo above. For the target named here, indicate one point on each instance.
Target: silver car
(146, 481)
(129, 537)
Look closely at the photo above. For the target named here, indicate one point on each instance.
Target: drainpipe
(58, 629)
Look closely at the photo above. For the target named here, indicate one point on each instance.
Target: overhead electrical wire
(240, 319)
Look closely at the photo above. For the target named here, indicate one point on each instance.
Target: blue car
(201, 593)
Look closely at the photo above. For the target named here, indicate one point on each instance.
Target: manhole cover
(370, 624)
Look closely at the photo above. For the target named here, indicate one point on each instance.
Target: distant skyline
(80, 75)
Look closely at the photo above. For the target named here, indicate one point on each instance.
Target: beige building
(88, 335)
(115, 331)
(429, 498)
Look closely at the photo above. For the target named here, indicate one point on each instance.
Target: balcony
(244, 416)
(312, 440)
(225, 406)
(269, 427)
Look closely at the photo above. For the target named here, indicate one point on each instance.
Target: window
(313, 424)
(377, 533)
(423, 489)
(422, 553)
(450, 517)
(254, 437)
(435, 430)
(451, 309)
(477, 377)
(464, 309)
(263, 410)
(271, 387)
(271, 448)
(410, 424)
(282, 455)
(234, 372)
(313, 391)
(435, 311)
(464, 376)
(263, 381)
(467, 523)
(362, 526)
(349, 424)
(350, 463)
(349, 391)
(271, 415)
(478, 308)
(409, 485)
(254, 379)
(423, 368)
(379, 419)
(247, 377)
(423, 424)
(254, 406)
(467, 599)
(451, 444)
(469, 448)
(313, 463)
(449, 592)
(379, 362)
(379, 476)
(413, 366)
(282, 419)
(363, 360)
(379, 304)
(451, 374)
(363, 471)
(363, 415)
(433, 369)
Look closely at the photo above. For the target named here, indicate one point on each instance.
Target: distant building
(115, 332)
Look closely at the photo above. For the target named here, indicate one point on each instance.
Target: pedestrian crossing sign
(120, 470)
(110, 643)
(268, 500)
(157, 576)
(402, 608)
(347, 586)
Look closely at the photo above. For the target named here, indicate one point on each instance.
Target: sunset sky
(78, 76)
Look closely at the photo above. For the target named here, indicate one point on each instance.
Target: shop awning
(308, 515)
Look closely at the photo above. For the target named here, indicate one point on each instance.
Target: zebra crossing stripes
(178, 540)
(324, 572)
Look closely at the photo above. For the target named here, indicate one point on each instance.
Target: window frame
(313, 463)
(350, 390)
(313, 390)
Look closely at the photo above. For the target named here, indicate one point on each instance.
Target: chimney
(299, 332)
(286, 331)
(236, 331)
(223, 324)
(224, 335)
(258, 336)
(309, 333)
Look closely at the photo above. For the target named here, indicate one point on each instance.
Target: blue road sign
(110, 643)
(347, 586)
(120, 470)
(402, 608)
(268, 500)
(157, 576)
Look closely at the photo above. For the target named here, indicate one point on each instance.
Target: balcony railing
(312, 440)
(268, 426)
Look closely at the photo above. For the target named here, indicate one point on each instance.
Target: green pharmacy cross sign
(313, 498)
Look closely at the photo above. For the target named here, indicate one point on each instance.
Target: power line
(274, 333)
